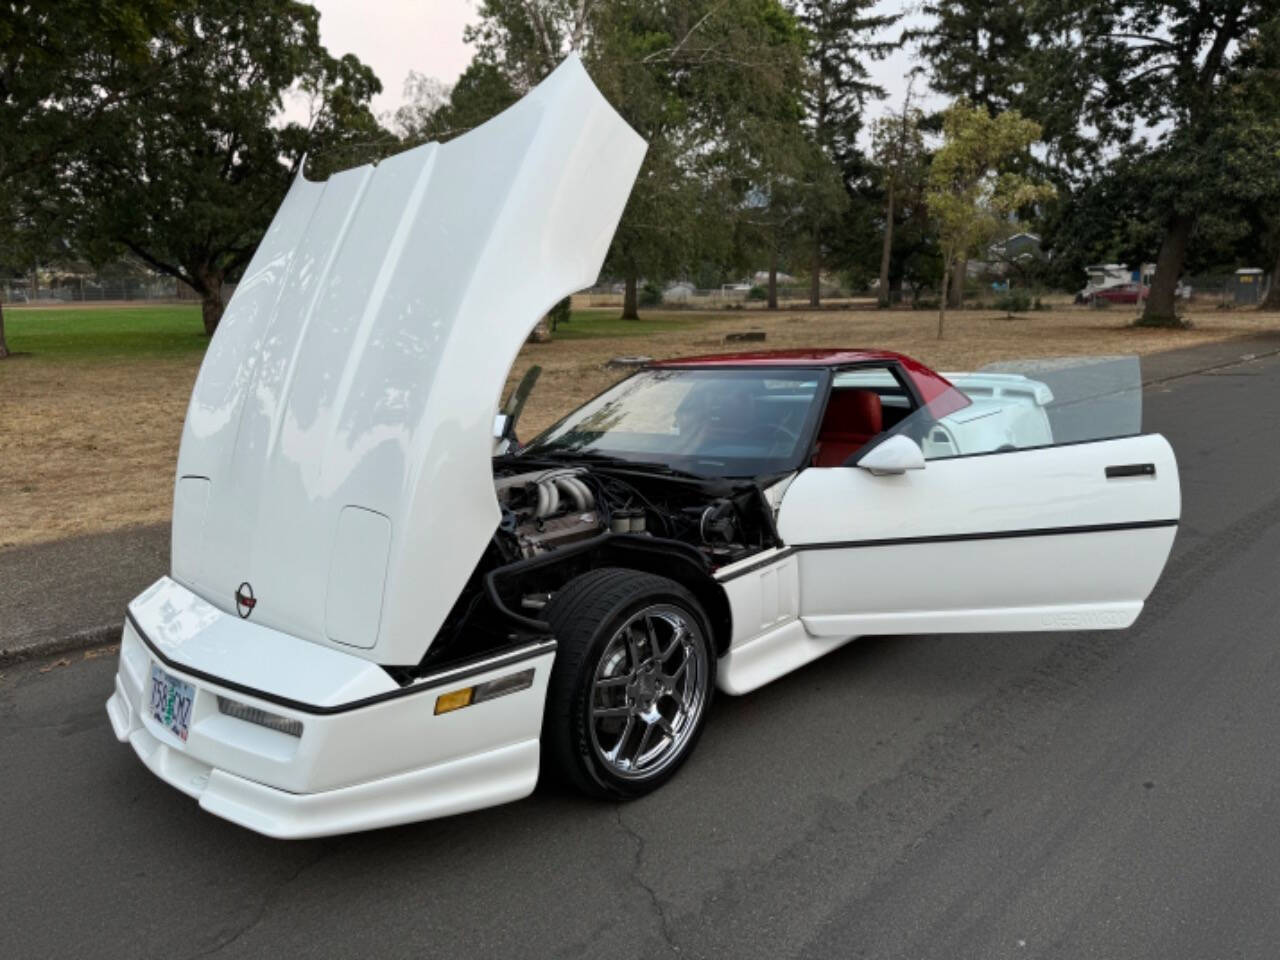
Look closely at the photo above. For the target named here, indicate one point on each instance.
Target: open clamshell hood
(335, 462)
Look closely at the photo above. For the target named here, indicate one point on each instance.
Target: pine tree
(842, 35)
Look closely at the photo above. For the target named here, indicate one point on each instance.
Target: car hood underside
(334, 480)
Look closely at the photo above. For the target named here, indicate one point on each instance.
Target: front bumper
(370, 754)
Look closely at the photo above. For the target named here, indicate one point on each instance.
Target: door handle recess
(1131, 470)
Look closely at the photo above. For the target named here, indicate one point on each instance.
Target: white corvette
(371, 619)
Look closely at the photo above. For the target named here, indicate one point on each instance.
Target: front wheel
(632, 681)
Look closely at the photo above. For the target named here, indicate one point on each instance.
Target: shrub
(757, 293)
(1014, 301)
(650, 295)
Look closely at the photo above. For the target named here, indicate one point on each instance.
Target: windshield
(713, 422)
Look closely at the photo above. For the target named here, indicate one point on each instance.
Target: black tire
(586, 615)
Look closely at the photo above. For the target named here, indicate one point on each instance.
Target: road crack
(637, 865)
(264, 906)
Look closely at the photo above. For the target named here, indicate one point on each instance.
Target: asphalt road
(1107, 795)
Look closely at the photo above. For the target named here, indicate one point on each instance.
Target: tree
(897, 143)
(425, 98)
(1024, 57)
(63, 67)
(971, 191)
(842, 36)
(976, 50)
(1176, 67)
(1262, 97)
(439, 113)
(188, 178)
(712, 85)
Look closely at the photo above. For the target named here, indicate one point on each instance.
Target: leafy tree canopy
(971, 192)
(188, 176)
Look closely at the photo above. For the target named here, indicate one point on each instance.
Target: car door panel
(1067, 537)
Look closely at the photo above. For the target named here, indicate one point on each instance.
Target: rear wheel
(632, 681)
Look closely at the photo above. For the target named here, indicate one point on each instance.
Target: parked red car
(1122, 293)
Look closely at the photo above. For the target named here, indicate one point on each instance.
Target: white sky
(396, 36)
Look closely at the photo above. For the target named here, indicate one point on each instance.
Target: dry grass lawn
(88, 444)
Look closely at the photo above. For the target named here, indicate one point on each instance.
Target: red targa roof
(833, 357)
(935, 390)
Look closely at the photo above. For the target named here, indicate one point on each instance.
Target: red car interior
(852, 418)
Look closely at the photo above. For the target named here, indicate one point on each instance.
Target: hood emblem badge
(245, 600)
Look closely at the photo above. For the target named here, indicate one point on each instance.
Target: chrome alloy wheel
(648, 691)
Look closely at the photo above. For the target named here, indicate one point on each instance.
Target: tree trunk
(208, 283)
(4, 346)
(1271, 303)
(1161, 306)
(211, 311)
(815, 277)
(630, 300)
(883, 289)
(955, 293)
(773, 278)
(942, 300)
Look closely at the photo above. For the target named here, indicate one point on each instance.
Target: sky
(396, 36)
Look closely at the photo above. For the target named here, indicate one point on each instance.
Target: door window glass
(1020, 405)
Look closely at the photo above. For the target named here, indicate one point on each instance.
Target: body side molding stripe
(430, 682)
(989, 535)
(758, 565)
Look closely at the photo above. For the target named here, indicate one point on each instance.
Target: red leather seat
(853, 417)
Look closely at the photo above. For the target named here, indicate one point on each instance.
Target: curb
(71, 643)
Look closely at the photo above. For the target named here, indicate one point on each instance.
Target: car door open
(996, 538)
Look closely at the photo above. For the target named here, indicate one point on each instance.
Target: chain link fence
(88, 289)
(687, 296)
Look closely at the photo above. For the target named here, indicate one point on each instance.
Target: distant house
(1020, 248)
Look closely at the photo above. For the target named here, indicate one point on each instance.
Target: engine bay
(560, 518)
(561, 504)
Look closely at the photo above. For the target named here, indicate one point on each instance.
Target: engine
(548, 508)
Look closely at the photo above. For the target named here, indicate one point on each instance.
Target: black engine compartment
(564, 516)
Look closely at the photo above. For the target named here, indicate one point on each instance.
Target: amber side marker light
(489, 690)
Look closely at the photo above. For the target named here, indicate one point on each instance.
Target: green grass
(105, 333)
(102, 333)
(589, 324)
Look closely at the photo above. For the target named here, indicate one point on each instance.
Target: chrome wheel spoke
(671, 679)
(633, 648)
(613, 755)
(678, 636)
(644, 742)
(606, 712)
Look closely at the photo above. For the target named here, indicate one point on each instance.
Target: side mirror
(896, 455)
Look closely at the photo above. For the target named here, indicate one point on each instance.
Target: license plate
(171, 701)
